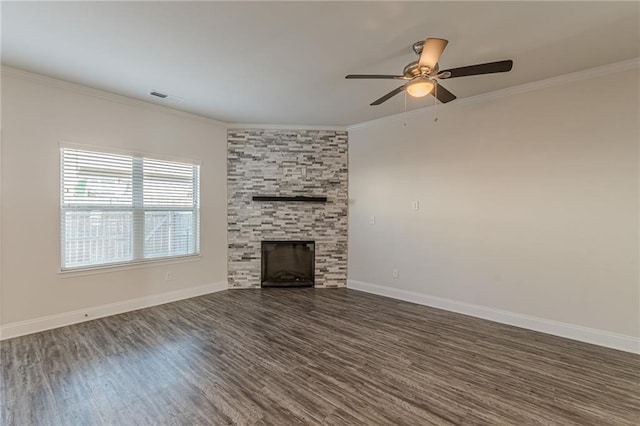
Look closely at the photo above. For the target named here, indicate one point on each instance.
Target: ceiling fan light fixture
(420, 87)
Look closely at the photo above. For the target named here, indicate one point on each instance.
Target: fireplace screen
(288, 263)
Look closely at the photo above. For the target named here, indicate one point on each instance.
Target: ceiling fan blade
(378, 76)
(442, 94)
(488, 68)
(431, 51)
(388, 96)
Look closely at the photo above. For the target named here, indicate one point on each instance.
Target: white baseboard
(21, 328)
(557, 328)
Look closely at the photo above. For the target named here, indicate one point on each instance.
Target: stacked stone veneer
(287, 163)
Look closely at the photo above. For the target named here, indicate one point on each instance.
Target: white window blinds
(123, 209)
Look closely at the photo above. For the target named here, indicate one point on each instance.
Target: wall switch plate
(372, 220)
(415, 205)
(395, 273)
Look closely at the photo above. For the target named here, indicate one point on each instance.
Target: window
(122, 209)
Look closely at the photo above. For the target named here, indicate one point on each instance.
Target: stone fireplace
(287, 186)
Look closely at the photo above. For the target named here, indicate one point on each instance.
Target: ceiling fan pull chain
(405, 108)
(435, 104)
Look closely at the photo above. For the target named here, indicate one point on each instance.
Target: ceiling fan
(422, 76)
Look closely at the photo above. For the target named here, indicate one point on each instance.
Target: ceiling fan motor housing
(413, 70)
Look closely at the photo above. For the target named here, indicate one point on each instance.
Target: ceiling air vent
(167, 98)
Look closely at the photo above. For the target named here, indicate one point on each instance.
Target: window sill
(93, 270)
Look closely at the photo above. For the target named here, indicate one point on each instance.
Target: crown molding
(484, 97)
(587, 74)
(101, 94)
(284, 127)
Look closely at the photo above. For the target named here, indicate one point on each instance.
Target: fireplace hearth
(288, 264)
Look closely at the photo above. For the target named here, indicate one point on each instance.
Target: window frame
(136, 208)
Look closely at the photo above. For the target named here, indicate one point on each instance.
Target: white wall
(528, 204)
(38, 113)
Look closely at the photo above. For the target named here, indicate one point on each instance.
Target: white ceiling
(285, 62)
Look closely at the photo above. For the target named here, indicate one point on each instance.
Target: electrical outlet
(396, 273)
(168, 276)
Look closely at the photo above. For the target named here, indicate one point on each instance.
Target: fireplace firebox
(288, 264)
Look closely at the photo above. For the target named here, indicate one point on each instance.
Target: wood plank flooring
(310, 357)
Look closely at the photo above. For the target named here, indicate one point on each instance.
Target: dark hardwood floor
(305, 356)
